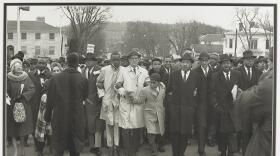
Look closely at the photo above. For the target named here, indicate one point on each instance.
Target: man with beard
(222, 84)
(64, 109)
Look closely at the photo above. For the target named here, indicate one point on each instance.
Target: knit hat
(14, 61)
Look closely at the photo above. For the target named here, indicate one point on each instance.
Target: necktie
(134, 69)
(205, 72)
(249, 73)
(227, 75)
(88, 74)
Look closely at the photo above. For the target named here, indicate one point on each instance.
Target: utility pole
(24, 8)
(18, 29)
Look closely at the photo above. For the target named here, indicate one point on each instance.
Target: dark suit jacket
(203, 110)
(245, 83)
(221, 95)
(93, 103)
(184, 101)
(66, 93)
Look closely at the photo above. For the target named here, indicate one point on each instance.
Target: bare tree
(183, 35)
(247, 21)
(267, 25)
(85, 21)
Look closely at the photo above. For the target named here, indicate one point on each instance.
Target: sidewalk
(143, 151)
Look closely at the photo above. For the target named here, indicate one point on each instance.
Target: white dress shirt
(185, 73)
(225, 74)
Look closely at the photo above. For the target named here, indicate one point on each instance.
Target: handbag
(19, 113)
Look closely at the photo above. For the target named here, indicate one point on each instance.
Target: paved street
(191, 151)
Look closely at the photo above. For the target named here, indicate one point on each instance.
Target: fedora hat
(225, 57)
(248, 54)
(203, 55)
(187, 56)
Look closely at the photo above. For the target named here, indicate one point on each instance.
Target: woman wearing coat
(20, 89)
(152, 97)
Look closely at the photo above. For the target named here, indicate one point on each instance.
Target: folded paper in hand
(234, 92)
(8, 100)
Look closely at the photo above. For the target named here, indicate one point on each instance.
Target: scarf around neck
(17, 78)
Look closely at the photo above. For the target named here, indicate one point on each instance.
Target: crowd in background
(127, 101)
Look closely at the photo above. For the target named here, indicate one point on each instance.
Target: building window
(51, 50)
(51, 36)
(24, 49)
(230, 43)
(267, 44)
(10, 36)
(254, 44)
(37, 50)
(23, 36)
(37, 36)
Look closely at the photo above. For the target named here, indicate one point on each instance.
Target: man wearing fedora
(222, 84)
(131, 80)
(186, 88)
(249, 77)
(95, 126)
(203, 112)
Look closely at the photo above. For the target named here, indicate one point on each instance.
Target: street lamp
(24, 8)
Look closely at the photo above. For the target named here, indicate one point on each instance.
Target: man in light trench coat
(129, 83)
(110, 102)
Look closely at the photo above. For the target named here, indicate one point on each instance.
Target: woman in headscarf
(20, 89)
(43, 129)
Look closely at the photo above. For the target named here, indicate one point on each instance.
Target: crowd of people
(128, 101)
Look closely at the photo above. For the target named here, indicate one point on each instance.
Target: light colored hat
(14, 61)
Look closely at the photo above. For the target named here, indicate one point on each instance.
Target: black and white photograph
(139, 79)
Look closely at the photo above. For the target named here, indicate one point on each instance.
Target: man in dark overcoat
(187, 93)
(222, 83)
(95, 126)
(202, 112)
(212, 113)
(258, 103)
(249, 77)
(66, 93)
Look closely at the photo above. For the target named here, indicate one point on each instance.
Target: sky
(214, 15)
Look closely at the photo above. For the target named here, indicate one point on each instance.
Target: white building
(38, 39)
(259, 45)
